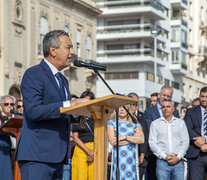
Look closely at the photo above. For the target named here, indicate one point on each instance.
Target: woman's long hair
(113, 115)
(82, 119)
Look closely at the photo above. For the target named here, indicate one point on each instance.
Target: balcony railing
(122, 4)
(183, 22)
(132, 52)
(122, 29)
(129, 28)
(126, 26)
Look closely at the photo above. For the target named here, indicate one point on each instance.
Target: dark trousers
(197, 167)
(42, 171)
(151, 167)
(141, 171)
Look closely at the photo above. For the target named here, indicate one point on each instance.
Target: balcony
(131, 31)
(178, 21)
(130, 55)
(149, 8)
(179, 66)
(180, 3)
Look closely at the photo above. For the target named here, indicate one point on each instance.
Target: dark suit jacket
(143, 148)
(44, 136)
(193, 120)
(152, 114)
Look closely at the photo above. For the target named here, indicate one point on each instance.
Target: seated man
(7, 104)
(169, 141)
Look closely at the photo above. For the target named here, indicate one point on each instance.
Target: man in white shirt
(169, 141)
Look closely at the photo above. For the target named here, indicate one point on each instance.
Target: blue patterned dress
(127, 153)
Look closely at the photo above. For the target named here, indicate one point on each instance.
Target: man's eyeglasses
(7, 104)
(134, 104)
(19, 106)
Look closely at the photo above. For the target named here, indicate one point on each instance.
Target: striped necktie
(205, 123)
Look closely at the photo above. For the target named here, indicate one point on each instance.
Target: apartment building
(23, 24)
(197, 40)
(134, 42)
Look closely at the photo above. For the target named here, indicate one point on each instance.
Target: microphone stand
(117, 123)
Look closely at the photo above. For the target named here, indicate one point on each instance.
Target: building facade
(23, 24)
(197, 40)
(134, 42)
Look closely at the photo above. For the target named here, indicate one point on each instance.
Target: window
(43, 31)
(78, 40)
(175, 55)
(183, 36)
(150, 76)
(175, 85)
(88, 47)
(175, 35)
(122, 75)
(159, 79)
(184, 58)
(167, 82)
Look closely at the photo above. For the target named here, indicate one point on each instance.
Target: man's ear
(53, 51)
(173, 108)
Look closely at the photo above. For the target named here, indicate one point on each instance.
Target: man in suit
(196, 121)
(151, 114)
(43, 143)
(153, 99)
(143, 148)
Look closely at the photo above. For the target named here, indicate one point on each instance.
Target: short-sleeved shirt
(85, 135)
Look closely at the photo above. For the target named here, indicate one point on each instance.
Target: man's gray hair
(7, 96)
(168, 100)
(52, 39)
(167, 87)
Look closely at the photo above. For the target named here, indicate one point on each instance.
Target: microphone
(16, 112)
(79, 63)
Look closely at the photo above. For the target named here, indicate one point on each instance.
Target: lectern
(13, 126)
(99, 109)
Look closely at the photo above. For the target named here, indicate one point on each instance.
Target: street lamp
(155, 32)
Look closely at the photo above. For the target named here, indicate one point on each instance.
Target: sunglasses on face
(19, 106)
(7, 104)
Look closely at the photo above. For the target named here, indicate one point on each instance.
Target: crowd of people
(160, 143)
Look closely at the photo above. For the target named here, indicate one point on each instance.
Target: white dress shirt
(168, 137)
(55, 71)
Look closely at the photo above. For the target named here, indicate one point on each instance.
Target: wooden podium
(13, 126)
(99, 109)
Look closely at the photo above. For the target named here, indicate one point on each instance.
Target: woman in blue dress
(129, 135)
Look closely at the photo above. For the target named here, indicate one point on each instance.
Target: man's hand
(199, 141)
(78, 101)
(141, 158)
(204, 148)
(172, 160)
